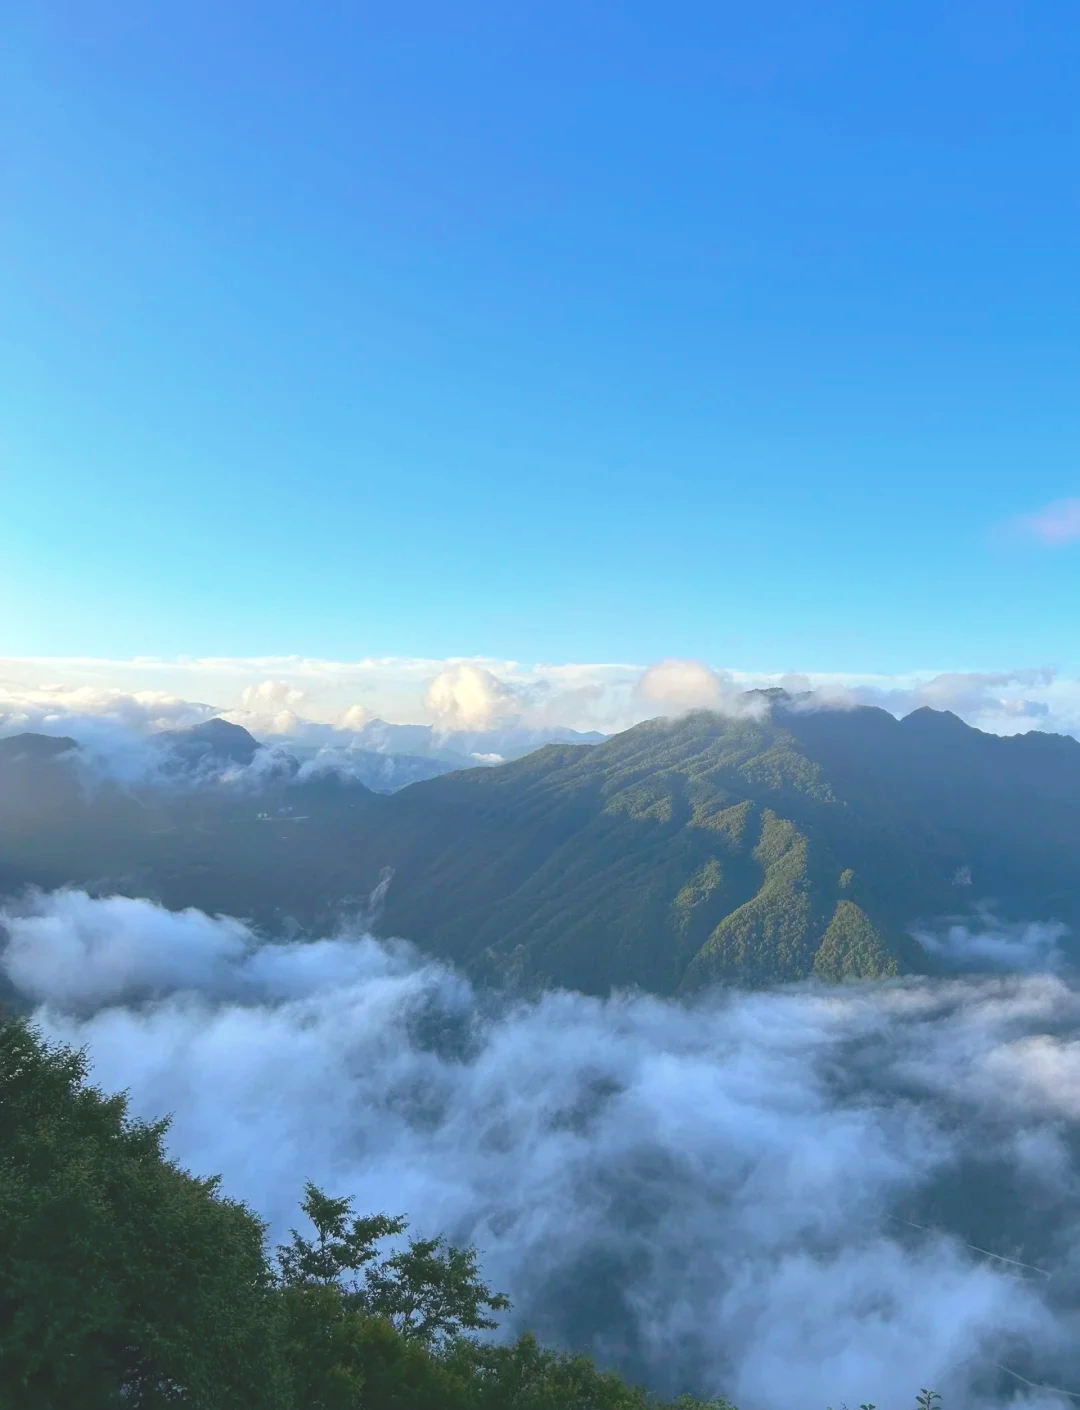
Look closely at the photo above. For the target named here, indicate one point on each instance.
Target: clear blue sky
(555, 331)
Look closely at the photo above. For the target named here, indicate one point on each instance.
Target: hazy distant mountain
(30, 747)
(214, 742)
(676, 853)
(382, 756)
(217, 746)
(460, 748)
(382, 773)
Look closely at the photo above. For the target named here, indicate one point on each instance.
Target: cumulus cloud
(1058, 523)
(355, 718)
(675, 686)
(681, 685)
(466, 697)
(271, 707)
(269, 697)
(799, 1197)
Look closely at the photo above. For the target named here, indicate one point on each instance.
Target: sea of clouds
(801, 1198)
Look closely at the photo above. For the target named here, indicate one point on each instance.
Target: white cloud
(271, 707)
(319, 701)
(676, 685)
(269, 697)
(77, 953)
(48, 707)
(467, 697)
(1023, 948)
(112, 726)
(719, 1195)
(356, 717)
(987, 699)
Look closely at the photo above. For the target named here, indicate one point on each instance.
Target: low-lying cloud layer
(778, 1195)
(996, 946)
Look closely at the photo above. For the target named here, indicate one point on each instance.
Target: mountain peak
(774, 694)
(926, 718)
(35, 746)
(216, 738)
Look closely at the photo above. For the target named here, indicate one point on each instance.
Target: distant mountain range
(460, 748)
(383, 756)
(755, 849)
(216, 748)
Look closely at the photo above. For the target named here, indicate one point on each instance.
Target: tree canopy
(120, 1273)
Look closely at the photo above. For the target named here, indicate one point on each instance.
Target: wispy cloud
(1058, 523)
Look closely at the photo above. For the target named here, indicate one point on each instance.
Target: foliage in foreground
(128, 1284)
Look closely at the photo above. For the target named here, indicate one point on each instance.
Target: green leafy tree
(527, 1376)
(124, 1281)
(343, 1242)
(429, 1291)
(432, 1291)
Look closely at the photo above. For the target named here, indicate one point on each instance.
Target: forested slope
(753, 849)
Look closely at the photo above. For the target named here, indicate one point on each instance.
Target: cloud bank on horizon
(327, 702)
(807, 1195)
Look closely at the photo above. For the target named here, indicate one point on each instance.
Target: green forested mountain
(749, 849)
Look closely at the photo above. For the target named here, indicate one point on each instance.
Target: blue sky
(543, 332)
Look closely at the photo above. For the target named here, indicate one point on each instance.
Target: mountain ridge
(758, 848)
